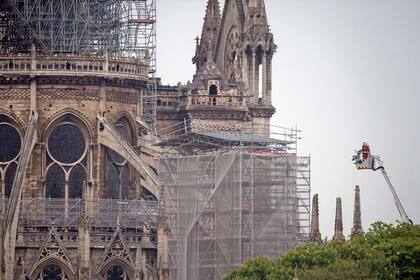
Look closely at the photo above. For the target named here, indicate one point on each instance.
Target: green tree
(400, 244)
(260, 269)
(385, 252)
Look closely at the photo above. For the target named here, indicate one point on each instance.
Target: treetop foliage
(384, 252)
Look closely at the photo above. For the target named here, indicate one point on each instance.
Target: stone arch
(124, 264)
(11, 141)
(14, 119)
(69, 272)
(72, 128)
(131, 122)
(231, 53)
(55, 117)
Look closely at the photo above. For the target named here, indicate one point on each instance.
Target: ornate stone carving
(72, 111)
(117, 252)
(52, 252)
(69, 94)
(122, 97)
(15, 94)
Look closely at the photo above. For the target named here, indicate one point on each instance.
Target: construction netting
(225, 208)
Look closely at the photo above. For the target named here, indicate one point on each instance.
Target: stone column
(139, 262)
(84, 236)
(315, 235)
(269, 78)
(2, 263)
(338, 228)
(140, 104)
(357, 214)
(102, 98)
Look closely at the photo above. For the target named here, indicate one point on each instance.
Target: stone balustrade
(217, 101)
(73, 65)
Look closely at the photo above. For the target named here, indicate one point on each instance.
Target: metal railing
(103, 213)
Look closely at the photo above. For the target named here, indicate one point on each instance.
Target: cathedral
(105, 173)
(232, 84)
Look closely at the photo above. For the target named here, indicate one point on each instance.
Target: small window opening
(213, 94)
(213, 90)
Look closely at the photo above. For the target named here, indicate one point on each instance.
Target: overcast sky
(345, 72)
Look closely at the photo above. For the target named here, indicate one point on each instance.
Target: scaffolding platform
(224, 208)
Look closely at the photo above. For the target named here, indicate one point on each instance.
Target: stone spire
(338, 229)
(315, 235)
(209, 34)
(357, 214)
(256, 15)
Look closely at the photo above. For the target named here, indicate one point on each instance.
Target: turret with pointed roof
(357, 214)
(315, 234)
(338, 228)
(209, 33)
(256, 15)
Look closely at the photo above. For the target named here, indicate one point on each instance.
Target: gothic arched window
(55, 182)
(116, 272)
(10, 146)
(66, 157)
(118, 178)
(9, 178)
(52, 272)
(76, 179)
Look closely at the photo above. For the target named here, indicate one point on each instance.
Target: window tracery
(116, 272)
(66, 158)
(10, 147)
(52, 272)
(118, 177)
(231, 55)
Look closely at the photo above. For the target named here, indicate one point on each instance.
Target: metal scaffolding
(124, 28)
(103, 213)
(223, 208)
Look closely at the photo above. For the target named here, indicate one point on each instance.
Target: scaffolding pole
(224, 208)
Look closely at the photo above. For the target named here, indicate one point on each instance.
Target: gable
(233, 17)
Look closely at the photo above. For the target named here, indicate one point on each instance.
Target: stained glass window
(76, 180)
(10, 176)
(113, 181)
(125, 181)
(116, 158)
(52, 272)
(66, 159)
(66, 143)
(118, 171)
(10, 142)
(55, 182)
(116, 272)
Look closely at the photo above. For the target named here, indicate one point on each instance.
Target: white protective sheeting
(225, 208)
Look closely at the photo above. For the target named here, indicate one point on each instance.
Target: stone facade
(232, 85)
(82, 210)
(78, 186)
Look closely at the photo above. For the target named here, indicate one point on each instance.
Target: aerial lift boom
(365, 160)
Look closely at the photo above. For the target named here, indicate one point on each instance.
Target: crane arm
(365, 160)
(397, 201)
